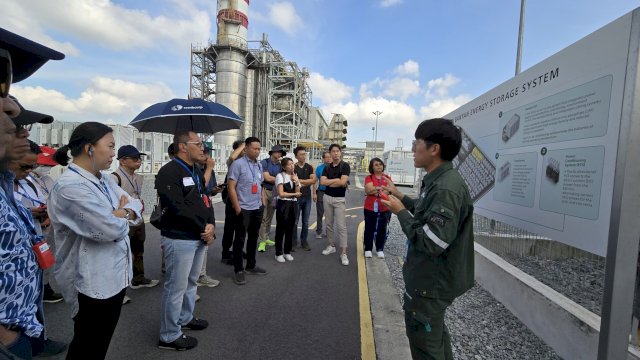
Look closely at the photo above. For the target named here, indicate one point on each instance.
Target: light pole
(520, 32)
(375, 136)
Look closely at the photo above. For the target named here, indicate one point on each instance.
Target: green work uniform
(439, 262)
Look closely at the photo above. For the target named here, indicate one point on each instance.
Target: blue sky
(410, 59)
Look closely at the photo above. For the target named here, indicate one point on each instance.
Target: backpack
(225, 192)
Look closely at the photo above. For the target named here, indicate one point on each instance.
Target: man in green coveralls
(439, 229)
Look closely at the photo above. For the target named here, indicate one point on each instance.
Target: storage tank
(231, 64)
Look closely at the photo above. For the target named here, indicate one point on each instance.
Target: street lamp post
(375, 136)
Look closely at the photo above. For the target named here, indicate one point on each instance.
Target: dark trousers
(93, 326)
(427, 332)
(319, 211)
(136, 238)
(286, 215)
(230, 229)
(375, 226)
(248, 227)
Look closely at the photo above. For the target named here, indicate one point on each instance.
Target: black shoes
(196, 324)
(184, 342)
(239, 279)
(256, 271)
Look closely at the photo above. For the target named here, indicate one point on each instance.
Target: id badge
(254, 188)
(205, 198)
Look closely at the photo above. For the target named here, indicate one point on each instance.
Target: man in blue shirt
(21, 316)
(270, 168)
(245, 194)
(318, 195)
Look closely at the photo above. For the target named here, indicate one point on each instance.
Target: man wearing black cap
(125, 176)
(270, 167)
(21, 319)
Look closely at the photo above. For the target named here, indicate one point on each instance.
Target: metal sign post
(624, 234)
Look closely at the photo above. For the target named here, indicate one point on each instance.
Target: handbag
(156, 215)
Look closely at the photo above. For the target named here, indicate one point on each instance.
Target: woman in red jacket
(376, 215)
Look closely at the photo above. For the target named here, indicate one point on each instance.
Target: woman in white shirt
(91, 215)
(288, 187)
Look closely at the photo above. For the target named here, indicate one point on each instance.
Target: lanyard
(41, 183)
(134, 184)
(102, 187)
(253, 173)
(24, 194)
(27, 221)
(194, 176)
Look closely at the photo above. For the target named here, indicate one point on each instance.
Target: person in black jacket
(188, 225)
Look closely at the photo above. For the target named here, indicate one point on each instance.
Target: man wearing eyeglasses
(188, 226)
(125, 176)
(21, 320)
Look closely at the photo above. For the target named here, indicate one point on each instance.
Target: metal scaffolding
(278, 96)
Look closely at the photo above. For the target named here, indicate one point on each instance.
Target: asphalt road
(305, 309)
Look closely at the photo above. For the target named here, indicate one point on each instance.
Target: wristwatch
(128, 214)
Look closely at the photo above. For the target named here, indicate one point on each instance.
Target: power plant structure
(269, 93)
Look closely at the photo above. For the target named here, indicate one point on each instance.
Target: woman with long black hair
(91, 215)
(288, 192)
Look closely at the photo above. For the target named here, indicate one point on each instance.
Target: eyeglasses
(6, 73)
(199, 144)
(24, 127)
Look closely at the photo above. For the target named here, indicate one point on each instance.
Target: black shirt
(186, 214)
(304, 173)
(336, 172)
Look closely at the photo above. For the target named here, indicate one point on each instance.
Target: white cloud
(107, 24)
(409, 68)
(401, 88)
(329, 90)
(440, 87)
(442, 106)
(105, 99)
(399, 117)
(282, 15)
(388, 3)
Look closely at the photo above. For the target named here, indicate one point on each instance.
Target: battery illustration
(511, 127)
(553, 170)
(504, 171)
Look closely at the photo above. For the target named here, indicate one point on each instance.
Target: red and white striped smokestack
(233, 21)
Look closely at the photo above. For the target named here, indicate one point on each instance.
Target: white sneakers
(282, 258)
(332, 249)
(368, 254)
(380, 255)
(329, 250)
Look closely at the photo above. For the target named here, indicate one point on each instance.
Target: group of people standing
(94, 221)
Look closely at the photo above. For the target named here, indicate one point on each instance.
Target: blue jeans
(304, 210)
(183, 261)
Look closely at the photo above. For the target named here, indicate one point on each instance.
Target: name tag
(188, 181)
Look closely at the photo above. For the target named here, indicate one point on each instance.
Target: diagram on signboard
(475, 168)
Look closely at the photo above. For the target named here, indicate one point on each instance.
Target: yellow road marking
(367, 345)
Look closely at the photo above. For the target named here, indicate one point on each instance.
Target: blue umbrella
(198, 115)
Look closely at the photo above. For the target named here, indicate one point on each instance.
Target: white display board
(544, 143)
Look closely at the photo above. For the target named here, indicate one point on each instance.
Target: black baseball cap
(27, 56)
(129, 151)
(28, 117)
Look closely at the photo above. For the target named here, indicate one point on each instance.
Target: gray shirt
(246, 173)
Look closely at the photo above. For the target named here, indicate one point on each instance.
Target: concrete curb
(387, 314)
